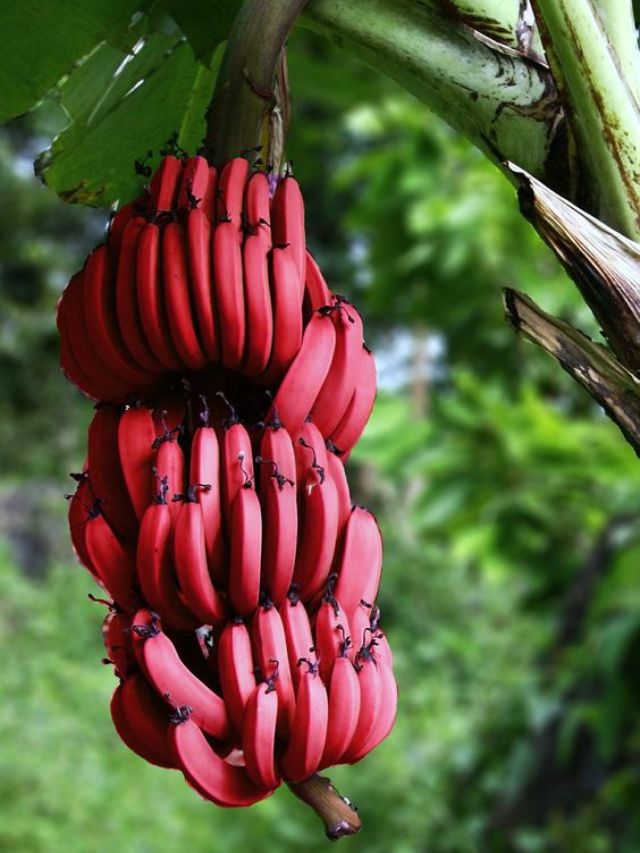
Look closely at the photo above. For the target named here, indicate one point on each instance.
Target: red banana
(304, 379)
(360, 562)
(270, 653)
(202, 290)
(308, 734)
(287, 223)
(297, 631)
(342, 379)
(136, 437)
(319, 526)
(150, 297)
(317, 293)
(236, 670)
(230, 194)
(194, 184)
(70, 365)
(140, 724)
(147, 718)
(101, 320)
(259, 315)
(177, 296)
(333, 637)
(82, 505)
(163, 187)
(385, 714)
(339, 477)
(361, 631)
(287, 313)
(118, 222)
(113, 564)
(105, 472)
(310, 451)
(170, 464)
(279, 512)
(205, 469)
(344, 711)
(128, 315)
(214, 778)
(371, 697)
(245, 550)
(259, 736)
(173, 680)
(117, 643)
(81, 360)
(229, 293)
(257, 205)
(359, 409)
(237, 463)
(190, 556)
(156, 573)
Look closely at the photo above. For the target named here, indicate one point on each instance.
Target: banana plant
(548, 90)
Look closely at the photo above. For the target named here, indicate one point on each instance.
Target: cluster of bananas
(213, 507)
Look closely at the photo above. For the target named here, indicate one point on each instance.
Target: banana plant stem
(247, 113)
(601, 105)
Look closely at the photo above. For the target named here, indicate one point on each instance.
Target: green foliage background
(508, 503)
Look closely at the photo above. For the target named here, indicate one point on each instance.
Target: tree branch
(592, 365)
(241, 114)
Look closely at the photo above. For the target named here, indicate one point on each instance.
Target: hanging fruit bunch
(213, 508)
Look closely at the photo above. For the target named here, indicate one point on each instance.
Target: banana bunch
(213, 508)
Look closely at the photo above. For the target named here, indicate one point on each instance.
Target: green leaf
(204, 23)
(42, 40)
(146, 95)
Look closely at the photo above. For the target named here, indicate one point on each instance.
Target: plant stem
(245, 104)
(601, 106)
(503, 101)
(617, 18)
(336, 812)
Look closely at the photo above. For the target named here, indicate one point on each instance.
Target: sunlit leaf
(42, 40)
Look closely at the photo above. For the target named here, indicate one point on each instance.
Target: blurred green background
(509, 506)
